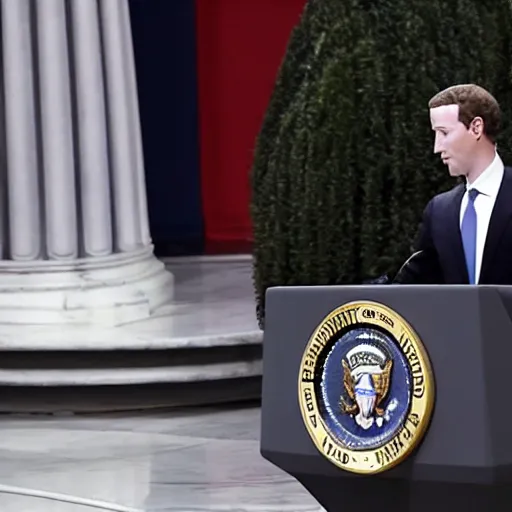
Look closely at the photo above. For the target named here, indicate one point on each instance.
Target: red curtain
(241, 44)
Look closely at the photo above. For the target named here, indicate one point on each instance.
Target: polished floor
(179, 460)
(189, 460)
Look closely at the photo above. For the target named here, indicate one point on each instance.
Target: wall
(164, 35)
(206, 69)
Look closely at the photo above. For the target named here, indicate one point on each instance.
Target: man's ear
(477, 127)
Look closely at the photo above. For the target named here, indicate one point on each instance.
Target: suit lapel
(501, 215)
(454, 237)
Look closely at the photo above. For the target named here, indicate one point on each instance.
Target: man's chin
(454, 171)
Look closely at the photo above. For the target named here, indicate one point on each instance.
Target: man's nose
(438, 145)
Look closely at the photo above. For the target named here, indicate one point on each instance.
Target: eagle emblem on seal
(367, 372)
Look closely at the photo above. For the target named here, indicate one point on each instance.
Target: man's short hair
(473, 101)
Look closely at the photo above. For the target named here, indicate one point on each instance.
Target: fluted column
(137, 136)
(74, 171)
(93, 143)
(56, 129)
(23, 238)
(121, 120)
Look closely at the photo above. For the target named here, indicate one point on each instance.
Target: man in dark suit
(466, 233)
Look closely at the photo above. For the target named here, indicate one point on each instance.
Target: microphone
(402, 275)
(406, 267)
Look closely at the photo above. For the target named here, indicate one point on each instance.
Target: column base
(106, 291)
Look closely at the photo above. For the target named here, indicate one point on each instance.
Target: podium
(463, 461)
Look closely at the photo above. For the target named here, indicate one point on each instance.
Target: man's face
(453, 141)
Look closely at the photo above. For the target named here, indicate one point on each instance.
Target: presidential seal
(366, 388)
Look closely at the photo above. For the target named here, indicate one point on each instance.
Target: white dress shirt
(488, 185)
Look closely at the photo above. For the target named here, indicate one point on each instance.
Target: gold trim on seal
(397, 449)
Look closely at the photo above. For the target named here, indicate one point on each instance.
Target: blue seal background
(343, 426)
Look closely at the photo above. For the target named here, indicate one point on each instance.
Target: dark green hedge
(344, 165)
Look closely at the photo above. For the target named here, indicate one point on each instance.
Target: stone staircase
(204, 347)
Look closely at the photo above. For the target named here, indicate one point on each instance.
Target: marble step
(81, 381)
(120, 376)
(68, 400)
(156, 333)
(193, 362)
(204, 347)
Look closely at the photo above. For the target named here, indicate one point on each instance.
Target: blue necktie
(468, 231)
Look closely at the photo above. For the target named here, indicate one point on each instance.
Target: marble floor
(188, 460)
(214, 297)
(176, 460)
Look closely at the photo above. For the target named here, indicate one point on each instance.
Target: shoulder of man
(447, 197)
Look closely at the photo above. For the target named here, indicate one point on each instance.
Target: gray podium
(464, 462)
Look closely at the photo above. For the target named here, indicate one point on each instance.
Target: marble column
(75, 244)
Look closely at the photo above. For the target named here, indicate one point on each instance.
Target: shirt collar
(488, 183)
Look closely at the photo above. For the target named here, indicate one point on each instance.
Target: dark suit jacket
(442, 258)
